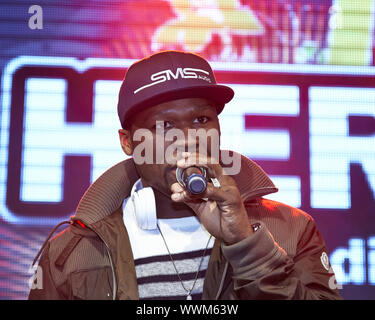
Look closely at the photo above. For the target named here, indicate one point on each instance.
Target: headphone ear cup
(144, 208)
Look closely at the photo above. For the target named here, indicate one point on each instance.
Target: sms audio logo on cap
(166, 75)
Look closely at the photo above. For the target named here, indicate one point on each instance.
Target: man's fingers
(176, 187)
(216, 194)
(180, 194)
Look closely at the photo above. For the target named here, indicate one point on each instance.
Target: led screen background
(303, 73)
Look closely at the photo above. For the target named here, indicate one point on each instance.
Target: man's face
(172, 127)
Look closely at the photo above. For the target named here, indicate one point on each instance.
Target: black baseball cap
(165, 76)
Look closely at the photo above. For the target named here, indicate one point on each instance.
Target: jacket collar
(108, 192)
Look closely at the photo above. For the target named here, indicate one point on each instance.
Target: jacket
(92, 258)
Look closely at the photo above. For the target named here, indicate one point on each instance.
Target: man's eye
(162, 125)
(201, 120)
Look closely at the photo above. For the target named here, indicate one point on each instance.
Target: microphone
(193, 179)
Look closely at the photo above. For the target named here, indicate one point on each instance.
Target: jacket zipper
(114, 279)
(222, 280)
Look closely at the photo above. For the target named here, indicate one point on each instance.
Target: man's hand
(223, 214)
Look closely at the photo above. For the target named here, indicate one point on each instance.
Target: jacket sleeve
(263, 270)
(43, 286)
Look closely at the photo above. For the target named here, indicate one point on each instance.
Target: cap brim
(218, 93)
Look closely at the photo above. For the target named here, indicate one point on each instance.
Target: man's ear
(126, 141)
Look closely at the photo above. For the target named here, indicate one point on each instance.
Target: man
(142, 231)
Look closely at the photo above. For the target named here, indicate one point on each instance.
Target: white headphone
(144, 206)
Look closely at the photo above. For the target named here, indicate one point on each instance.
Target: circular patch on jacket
(325, 261)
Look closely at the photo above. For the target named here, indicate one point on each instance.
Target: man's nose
(187, 141)
(192, 140)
